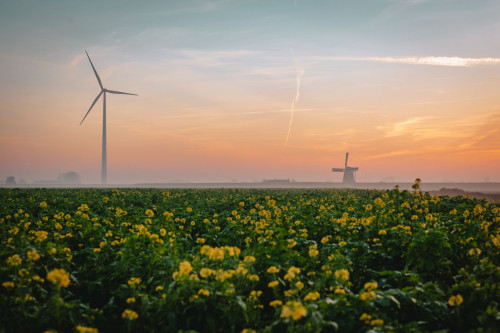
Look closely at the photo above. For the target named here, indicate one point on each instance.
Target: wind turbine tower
(348, 172)
(104, 173)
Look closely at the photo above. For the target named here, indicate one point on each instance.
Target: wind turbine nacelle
(337, 170)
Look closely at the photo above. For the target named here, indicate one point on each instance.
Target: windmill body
(104, 173)
(348, 172)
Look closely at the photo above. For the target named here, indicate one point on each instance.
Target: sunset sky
(410, 88)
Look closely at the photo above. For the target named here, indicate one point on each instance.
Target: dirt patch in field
(452, 192)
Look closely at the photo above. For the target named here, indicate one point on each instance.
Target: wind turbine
(103, 93)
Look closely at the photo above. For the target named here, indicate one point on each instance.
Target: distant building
(11, 180)
(278, 181)
(69, 178)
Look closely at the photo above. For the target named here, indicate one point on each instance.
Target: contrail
(300, 72)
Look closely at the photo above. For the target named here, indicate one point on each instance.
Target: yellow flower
(159, 288)
(339, 290)
(291, 243)
(14, 260)
(312, 296)
(163, 232)
(83, 329)
(149, 213)
(41, 235)
(206, 272)
(455, 300)
(222, 275)
(216, 253)
(131, 300)
(293, 309)
(371, 286)
(83, 207)
(58, 277)
(241, 269)
(134, 280)
(184, 269)
(365, 317)
(254, 295)
(299, 285)
(275, 303)
(43, 204)
(382, 232)
(8, 284)
(129, 314)
(273, 270)
(204, 292)
(38, 278)
(313, 251)
(476, 251)
(189, 209)
(292, 273)
(249, 259)
(253, 277)
(33, 255)
(377, 322)
(342, 274)
(23, 272)
(416, 186)
(248, 330)
(272, 284)
(368, 295)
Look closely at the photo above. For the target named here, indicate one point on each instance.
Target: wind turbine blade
(120, 92)
(95, 72)
(346, 157)
(95, 101)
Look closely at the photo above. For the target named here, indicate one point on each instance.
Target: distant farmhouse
(278, 181)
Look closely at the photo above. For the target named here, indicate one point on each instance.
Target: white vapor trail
(300, 72)
(436, 61)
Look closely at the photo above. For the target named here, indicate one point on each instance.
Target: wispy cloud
(423, 128)
(76, 60)
(390, 154)
(435, 61)
(401, 127)
(473, 129)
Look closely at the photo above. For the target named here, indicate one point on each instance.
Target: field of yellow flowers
(147, 260)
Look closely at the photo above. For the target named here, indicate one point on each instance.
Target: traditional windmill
(348, 171)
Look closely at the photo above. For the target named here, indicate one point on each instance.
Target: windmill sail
(119, 92)
(95, 101)
(95, 72)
